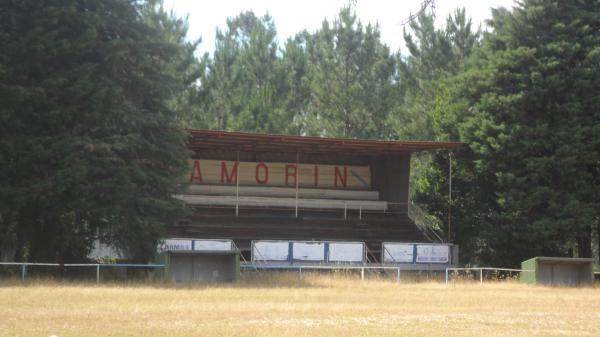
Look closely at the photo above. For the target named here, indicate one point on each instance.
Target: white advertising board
(270, 250)
(432, 253)
(205, 245)
(308, 251)
(394, 252)
(346, 252)
(175, 244)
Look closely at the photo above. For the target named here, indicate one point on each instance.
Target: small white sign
(270, 250)
(346, 252)
(432, 253)
(204, 245)
(308, 251)
(394, 252)
(174, 244)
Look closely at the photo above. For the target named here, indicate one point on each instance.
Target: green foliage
(88, 143)
(244, 82)
(92, 93)
(338, 81)
(526, 102)
(351, 80)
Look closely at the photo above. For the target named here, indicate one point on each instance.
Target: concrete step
(244, 201)
(281, 192)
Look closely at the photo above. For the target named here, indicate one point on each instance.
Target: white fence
(481, 270)
(300, 268)
(97, 266)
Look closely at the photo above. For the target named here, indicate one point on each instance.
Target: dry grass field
(320, 305)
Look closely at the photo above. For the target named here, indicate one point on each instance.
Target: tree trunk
(584, 243)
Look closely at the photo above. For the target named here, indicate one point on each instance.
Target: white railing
(300, 268)
(482, 269)
(425, 222)
(98, 266)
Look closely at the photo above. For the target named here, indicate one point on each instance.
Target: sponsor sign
(223, 172)
(398, 252)
(308, 251)
(270, 250)
(346, 252)
(174, 244)
(432, 253)
(204, 245)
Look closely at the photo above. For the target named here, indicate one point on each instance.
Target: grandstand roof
(246, 141)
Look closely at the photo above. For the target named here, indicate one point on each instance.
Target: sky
(291, 17)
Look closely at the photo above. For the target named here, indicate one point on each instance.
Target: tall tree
(352, 79)
(531, 119)
(297, 89)
(245, 78)
(88, 143)
(434, 54)
(430, 110)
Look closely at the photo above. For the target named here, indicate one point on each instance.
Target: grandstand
(247, 187)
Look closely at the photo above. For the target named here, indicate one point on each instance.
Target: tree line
(94, 93)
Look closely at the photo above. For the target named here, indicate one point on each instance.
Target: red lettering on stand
(288, 174)
(231, 177)
(196, 171)
(343, 179)
(266, 174)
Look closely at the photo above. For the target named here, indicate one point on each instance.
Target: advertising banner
(432, 253)
(270, 250)
(175, 244)
(394, 252)
(346, 252)
(205, 245)
(308, 251)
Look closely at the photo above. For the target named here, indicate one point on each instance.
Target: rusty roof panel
(259, 142)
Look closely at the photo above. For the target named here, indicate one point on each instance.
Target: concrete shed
(558, 271)
(201, 266)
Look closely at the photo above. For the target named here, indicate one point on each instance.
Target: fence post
(300, 272)
(446, 277)
(481, 276)
(362, 274)
(398, 276)
(98, 273)
(23, 271)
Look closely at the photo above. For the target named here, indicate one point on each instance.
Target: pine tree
(245, 78)
(351, 78)
(88, 143)
(528, 109)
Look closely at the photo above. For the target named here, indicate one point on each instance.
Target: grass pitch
(280, 305)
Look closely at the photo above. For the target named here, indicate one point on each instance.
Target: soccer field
(283, 306)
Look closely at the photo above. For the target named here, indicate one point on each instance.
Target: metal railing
(426, 222)
(482, 269)
(300, 268)
(98, 266)
(345, 211)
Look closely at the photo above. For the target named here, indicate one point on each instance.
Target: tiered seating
(258, 196)
(324, 215)
(372, 228)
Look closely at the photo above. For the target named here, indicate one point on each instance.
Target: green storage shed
(557, 271)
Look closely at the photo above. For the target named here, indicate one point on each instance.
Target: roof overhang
(201, 140)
